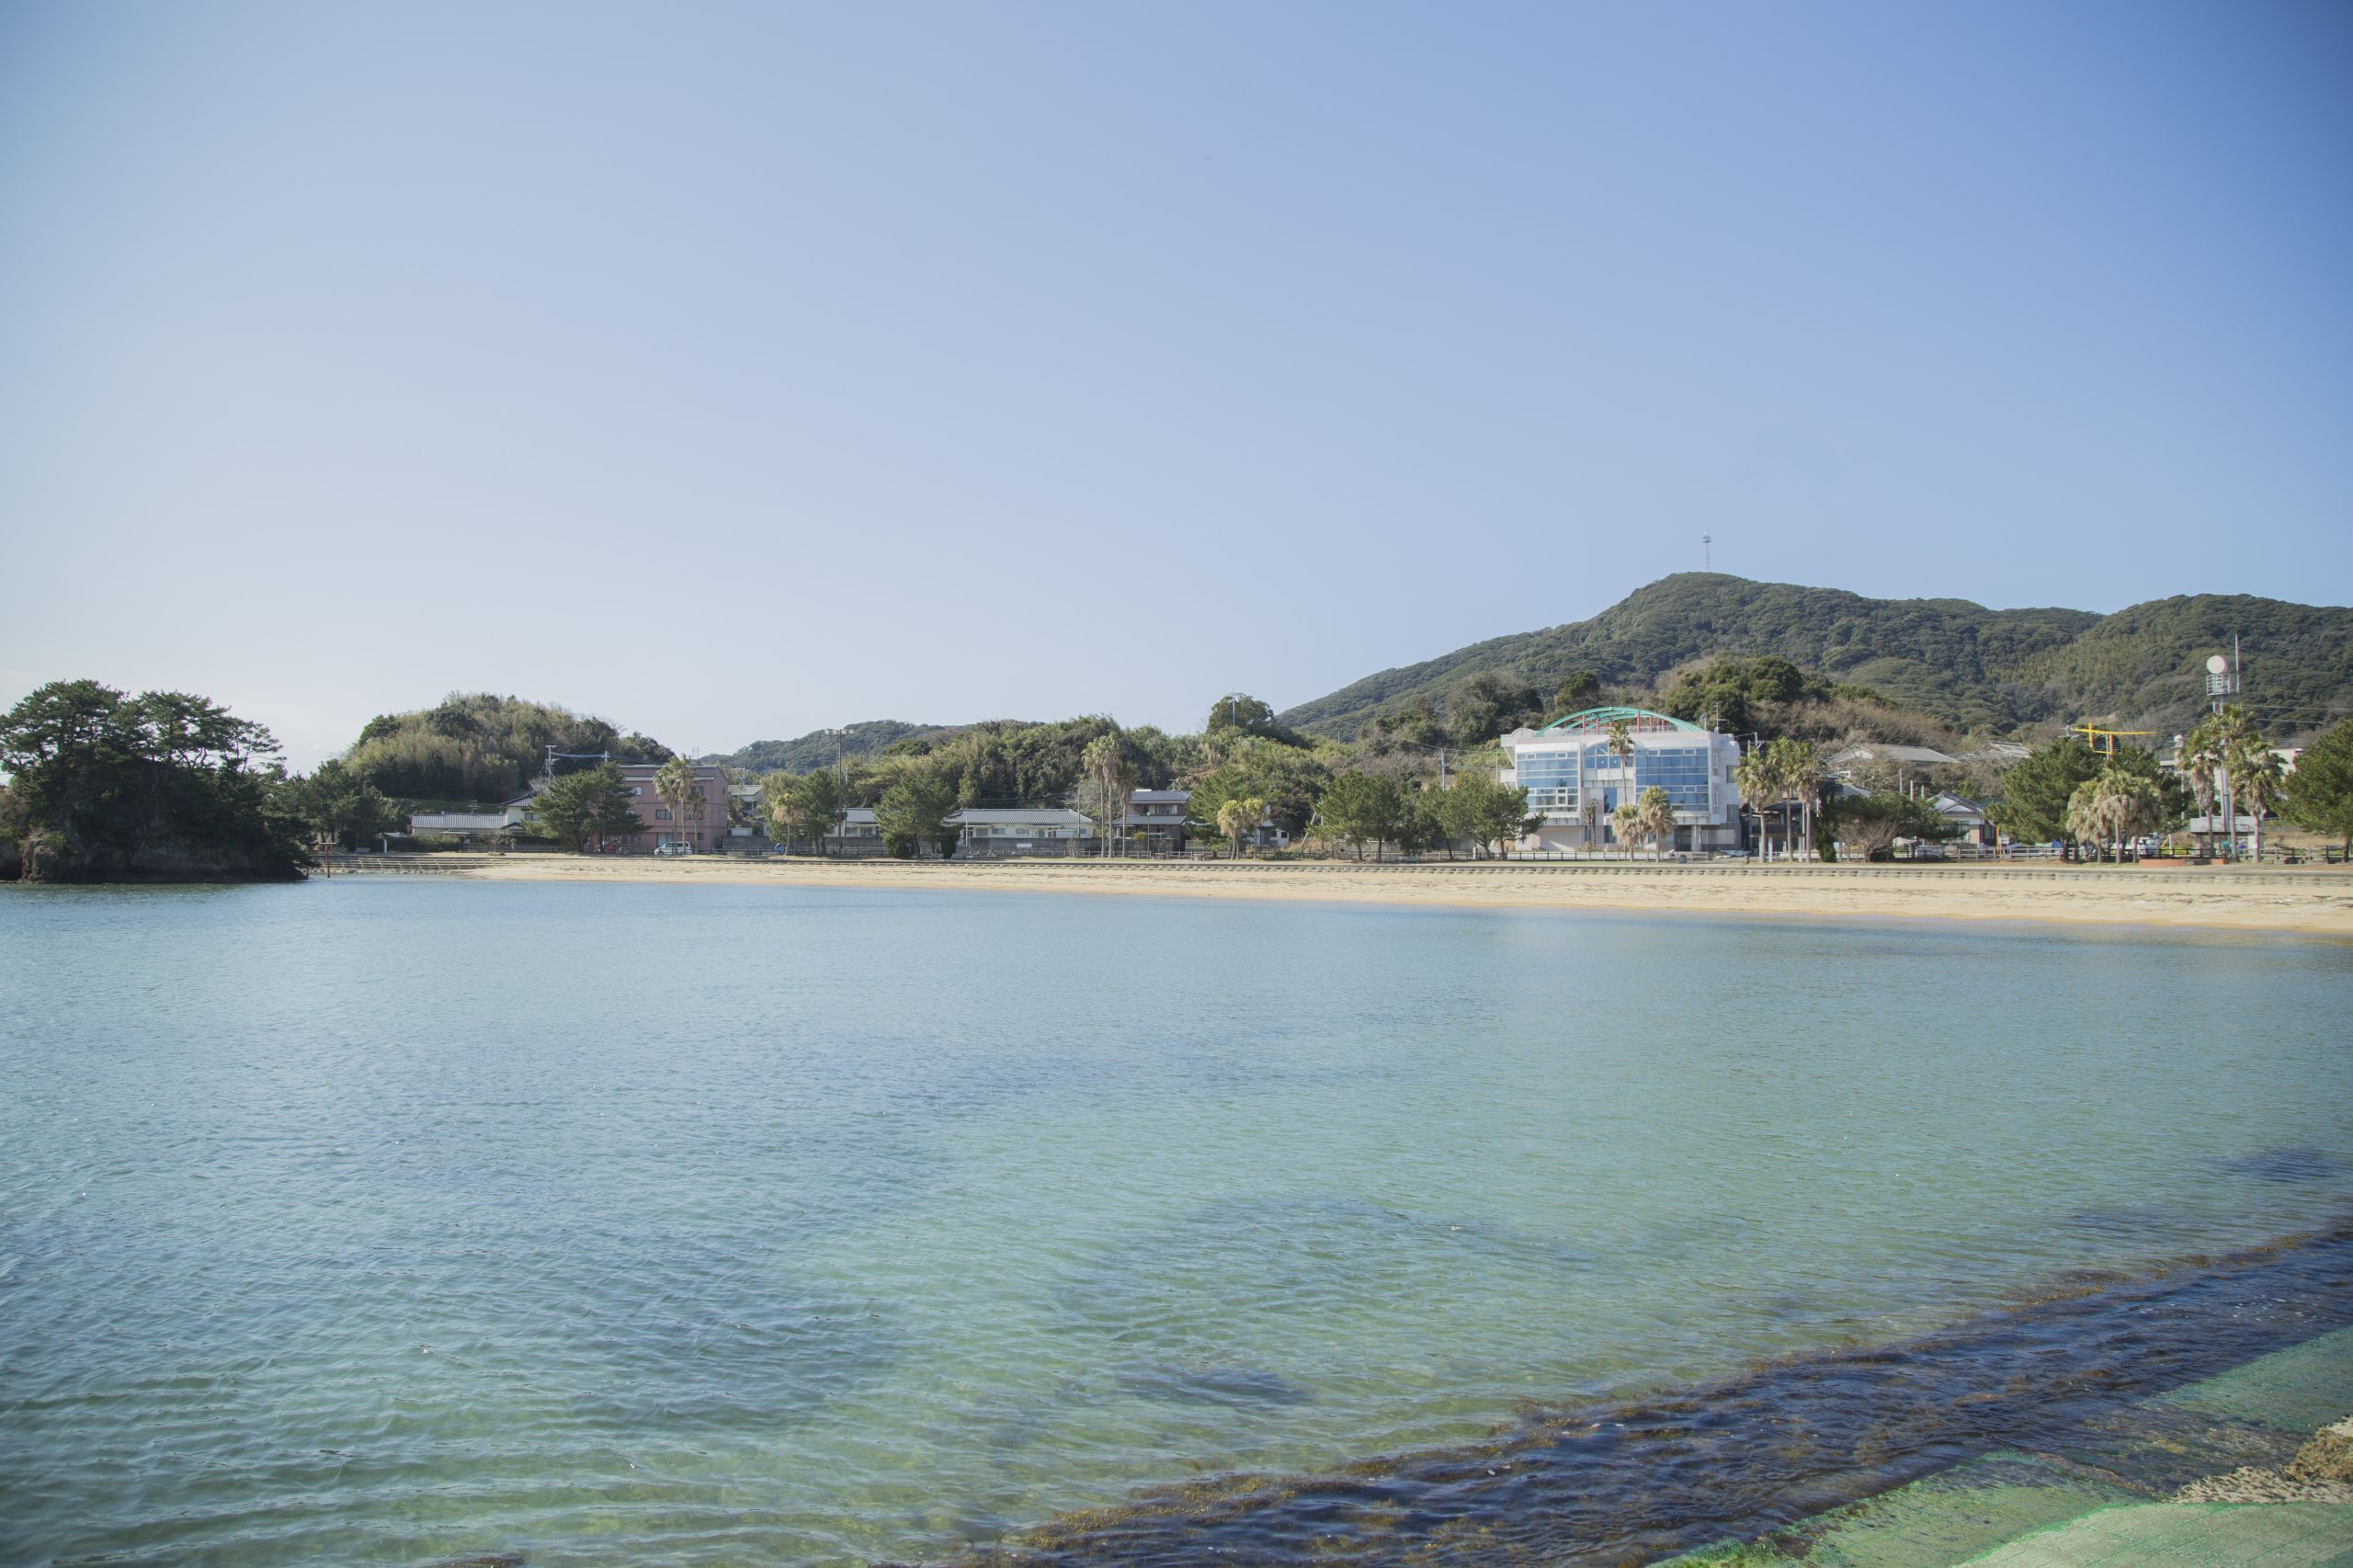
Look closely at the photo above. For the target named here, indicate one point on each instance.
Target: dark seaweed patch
(2284, 1166)
(2127, 1224)
(1740, 1457)
(1213, 1383)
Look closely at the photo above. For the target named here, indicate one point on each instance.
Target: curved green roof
(1602, 718)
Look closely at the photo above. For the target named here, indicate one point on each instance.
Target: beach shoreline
(2316, 902)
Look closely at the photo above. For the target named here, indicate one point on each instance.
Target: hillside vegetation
(998, 762)
(1968, 667)
(2145, 663)
(476, 746)
(816, 749)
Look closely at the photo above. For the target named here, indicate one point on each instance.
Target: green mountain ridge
(1968, 666)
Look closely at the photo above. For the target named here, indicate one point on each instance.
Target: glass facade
(1553, 777)
(1681, 771)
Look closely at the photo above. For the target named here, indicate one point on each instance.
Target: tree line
(104, 784)
(1383, 794)
(1242, 770)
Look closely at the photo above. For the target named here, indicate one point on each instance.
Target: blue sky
(735, 371)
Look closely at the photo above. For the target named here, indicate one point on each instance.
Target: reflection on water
(412, 1223)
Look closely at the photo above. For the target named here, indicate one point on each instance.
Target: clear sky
(734, 370)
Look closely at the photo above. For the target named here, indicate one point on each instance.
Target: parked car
(673, 849)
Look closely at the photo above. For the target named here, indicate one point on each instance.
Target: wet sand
(2317, 901)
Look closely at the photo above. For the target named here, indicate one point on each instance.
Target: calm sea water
(402, 1220)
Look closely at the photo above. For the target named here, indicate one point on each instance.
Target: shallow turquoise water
(396, 1221)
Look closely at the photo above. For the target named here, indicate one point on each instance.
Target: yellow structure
(2103, 741)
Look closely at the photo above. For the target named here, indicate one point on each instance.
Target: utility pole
(841, 796)
(2224, 681)
(2238, 686)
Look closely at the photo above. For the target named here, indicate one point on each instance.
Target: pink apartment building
(701, 827)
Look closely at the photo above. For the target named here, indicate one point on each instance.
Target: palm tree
(1106, 762)
(2111, 810)
(2256, 782)
(1237, 818)
(2239, 749)
(674, 787)
(1806, 772)
(1656, 809)
(1621, 746)
(1628, 820)
(785, 809)
(1621, 740)
(1797, 770)
(2138, 808)
(1754, 776)
(2201, 759)
(2088, 814)
(1777, 770)
(1589, 809)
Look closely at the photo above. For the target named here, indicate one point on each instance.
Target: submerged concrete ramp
(2189, 1535)
(2105, 1498)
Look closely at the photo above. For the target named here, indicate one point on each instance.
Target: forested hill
(816, 749)
(481, 746)
(1970, 666)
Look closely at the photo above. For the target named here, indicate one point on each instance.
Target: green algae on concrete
(2189, 1535)
(2299, 1389)
(2124, 1465)
(1934, 1522)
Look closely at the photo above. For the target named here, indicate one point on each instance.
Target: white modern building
(1575, 778)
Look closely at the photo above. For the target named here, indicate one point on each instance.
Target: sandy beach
(2314, 901)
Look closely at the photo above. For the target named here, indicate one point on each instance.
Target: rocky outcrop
(2322, 1471)
(46, 855)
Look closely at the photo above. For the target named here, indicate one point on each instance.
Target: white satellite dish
(2217, 664)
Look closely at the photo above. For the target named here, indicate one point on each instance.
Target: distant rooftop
(1876, 751)
(1056, 815)
(702, 770)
